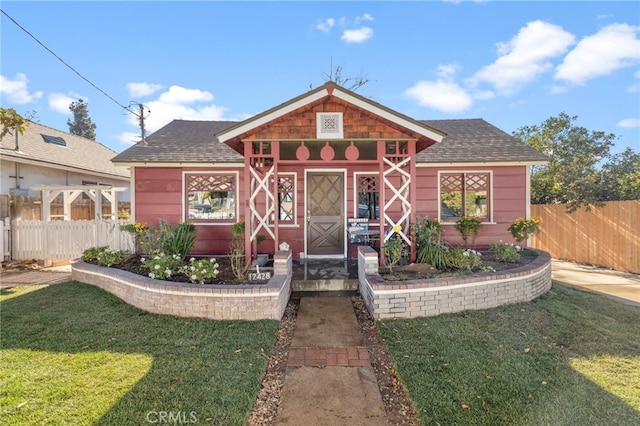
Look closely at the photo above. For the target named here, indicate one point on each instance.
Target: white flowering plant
(199, 270)
(464, 259)
(504, 252)
(162, 266)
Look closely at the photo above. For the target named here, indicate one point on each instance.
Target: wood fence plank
(607, 236)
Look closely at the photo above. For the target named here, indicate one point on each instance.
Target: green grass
(569, 358)
(74, 354)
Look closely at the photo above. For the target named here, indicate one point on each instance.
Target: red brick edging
(355, 356)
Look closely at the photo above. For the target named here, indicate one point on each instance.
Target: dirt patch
(420, 271)
(225, 276)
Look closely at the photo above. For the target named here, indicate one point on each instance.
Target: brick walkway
(340, 357)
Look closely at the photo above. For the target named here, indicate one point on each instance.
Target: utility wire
(69, 66)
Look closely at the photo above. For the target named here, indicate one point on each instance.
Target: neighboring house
(59, 163)
(298, 172)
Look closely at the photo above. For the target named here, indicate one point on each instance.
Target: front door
(325, 213)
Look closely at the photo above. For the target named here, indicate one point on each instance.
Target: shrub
(199, 270)
(426, 231)
(521, 228)
(237, 255)
(91, 255)
(394, 250)
(464, 259)
(111, 257)
(162, 266)
(468, 226)
(506, 252)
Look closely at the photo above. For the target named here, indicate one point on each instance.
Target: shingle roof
(467, 140)
(475, 140)
(82, 154)
(183, 141)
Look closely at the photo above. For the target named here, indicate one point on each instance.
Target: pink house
(302, 171)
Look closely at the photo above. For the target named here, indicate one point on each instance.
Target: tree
(10, 120)
(620, 177)
(572, 174)
(81, 124)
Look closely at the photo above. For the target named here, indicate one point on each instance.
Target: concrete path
(35, 277)
(329, 379)
(623, 287)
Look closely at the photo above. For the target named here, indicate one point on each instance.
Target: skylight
(55, 140)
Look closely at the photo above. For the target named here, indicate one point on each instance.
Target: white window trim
(355, 189)
(293, 224)
(211, 222)
(489, 220)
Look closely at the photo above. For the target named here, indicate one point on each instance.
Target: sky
(513, 64)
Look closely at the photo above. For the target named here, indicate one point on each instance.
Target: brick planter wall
(420, 298)
(220, 302)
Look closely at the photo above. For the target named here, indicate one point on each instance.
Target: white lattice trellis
(401, 194)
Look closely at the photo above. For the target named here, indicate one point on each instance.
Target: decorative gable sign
(329, 125)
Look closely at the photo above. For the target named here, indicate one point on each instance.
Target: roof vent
(55, 140)
(329, 125)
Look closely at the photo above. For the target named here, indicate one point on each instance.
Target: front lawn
(74, 354)
(569, 358)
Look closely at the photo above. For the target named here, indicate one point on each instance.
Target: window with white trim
(210, 197)
(368, 196)
(465, 194)
(286, 198)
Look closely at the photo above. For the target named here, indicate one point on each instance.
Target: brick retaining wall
(411, 299)
(220, 302)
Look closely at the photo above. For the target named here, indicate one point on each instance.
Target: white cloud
(360, 35)
(364, 18)
(143, 89)
(441, 95)
(180, 95)
(17, 90)
(629, 123)
(524, 57)
(59, 102)
(613, 47)
(326, 25)
(178, 103)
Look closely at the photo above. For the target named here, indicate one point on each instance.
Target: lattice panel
(213, 183)
(367, 184)
(451, 182)
(477, 182)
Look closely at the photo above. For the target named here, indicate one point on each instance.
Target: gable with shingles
(79, 154)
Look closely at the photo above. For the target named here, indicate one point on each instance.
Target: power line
(69, 66)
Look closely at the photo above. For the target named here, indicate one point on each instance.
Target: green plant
(468, 226)
(91, 255)
(138, 230)
(162, 266)
(112, 257)
(521, 228)
(435, 254)
(181, 239)
(394, 250)
(464, 259)
(237, 256)
(199, 270)
(506, 252)
(426, 231)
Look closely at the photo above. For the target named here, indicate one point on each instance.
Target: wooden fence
(65, 240)
(606, 236)
(30, 208)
